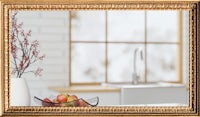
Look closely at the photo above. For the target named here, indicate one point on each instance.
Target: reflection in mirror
(119, 21)
(122, 63)
(88, 64)
(128, 55)
(162, 26)
(166, 67)
(80, 29)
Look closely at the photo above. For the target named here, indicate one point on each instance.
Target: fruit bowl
(92, 102)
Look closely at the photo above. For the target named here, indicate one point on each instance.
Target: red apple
(56, 103)
(74, 97)
(62, 98)
(82, 103)
(47, 102)
(76, 103)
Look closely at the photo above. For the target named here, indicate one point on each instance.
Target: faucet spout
(135, 77)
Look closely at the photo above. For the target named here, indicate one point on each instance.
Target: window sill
(88, 88)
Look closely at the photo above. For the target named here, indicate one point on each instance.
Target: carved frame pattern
(192, 6)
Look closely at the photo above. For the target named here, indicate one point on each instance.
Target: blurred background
(91, 48)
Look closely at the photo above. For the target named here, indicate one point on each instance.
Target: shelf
(84, 89)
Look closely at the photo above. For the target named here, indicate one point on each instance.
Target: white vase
(20, 95)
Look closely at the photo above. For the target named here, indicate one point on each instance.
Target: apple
(70, 99)
(62, 98)
(47, 102)
(74, 97)
(82, 103)
(56, 103)
(66, 100)
(76, 103)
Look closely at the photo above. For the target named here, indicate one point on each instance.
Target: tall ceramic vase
(20, 95)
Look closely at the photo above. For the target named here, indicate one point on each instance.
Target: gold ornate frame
(193, 6)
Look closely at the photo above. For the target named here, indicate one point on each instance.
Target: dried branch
(23, 53)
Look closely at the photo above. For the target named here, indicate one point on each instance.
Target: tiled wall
(51, 29)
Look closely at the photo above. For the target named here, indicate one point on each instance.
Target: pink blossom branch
(20, 43)
(29, 72)
(15, 63)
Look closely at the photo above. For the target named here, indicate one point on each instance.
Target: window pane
(162, 26)
(88, 25)
(88, 63)
(121, 60)
(162, 63)
(126, 26)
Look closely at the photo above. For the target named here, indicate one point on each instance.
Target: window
(102, 46)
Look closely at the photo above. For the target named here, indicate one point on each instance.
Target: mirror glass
(140, 57)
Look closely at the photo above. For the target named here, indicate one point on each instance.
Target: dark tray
(92, 102)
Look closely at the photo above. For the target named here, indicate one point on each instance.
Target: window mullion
(70, 48)
(145, 46)
(106, 46)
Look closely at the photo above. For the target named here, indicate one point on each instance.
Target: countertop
(95, 88)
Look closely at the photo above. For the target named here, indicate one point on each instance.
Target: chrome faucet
(136, 77)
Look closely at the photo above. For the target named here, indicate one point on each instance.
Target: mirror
(139, 57)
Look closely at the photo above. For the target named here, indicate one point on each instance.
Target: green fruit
(63, 104)
(70, 104)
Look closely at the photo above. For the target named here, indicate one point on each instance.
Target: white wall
(51, 30)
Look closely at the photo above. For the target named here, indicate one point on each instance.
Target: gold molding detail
(191, 110)
(105, 6)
